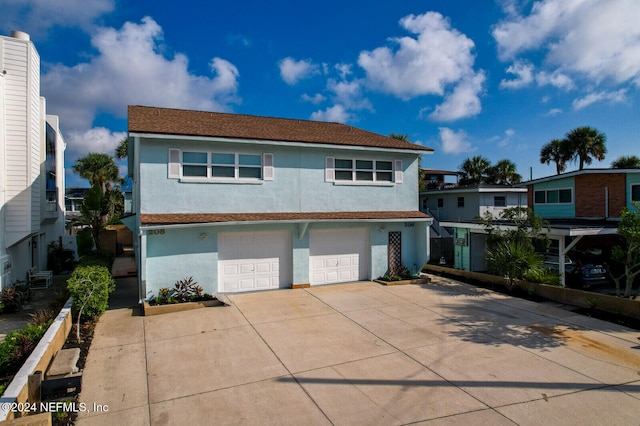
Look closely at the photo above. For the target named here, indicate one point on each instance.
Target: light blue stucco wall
(176, 253)
(299, 184)
(560, 210)
(632, 179)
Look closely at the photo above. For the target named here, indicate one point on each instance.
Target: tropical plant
(626, 162)
(512, 259)
(121, 150)
(556, 151)
(585, 144)
(97, 168)
(89, 287)
(92, 211)
(629, 253)
(503, 173)
(474, 170)
(511, 252)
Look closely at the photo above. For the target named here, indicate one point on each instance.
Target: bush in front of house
(89, 287)
(18, 345)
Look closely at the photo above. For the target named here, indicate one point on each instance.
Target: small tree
(511, 252)
(629, 253)
(92, 211)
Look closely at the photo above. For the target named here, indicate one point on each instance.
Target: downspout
(606, 202)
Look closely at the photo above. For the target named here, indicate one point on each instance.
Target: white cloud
(97, 139)
(463, 102)
(436, 59)
(611, 97)
(129, 70)
(524, 75)
(315, 99)
(344, 70)
(454, 142)
(349, 94)
(553, 112)
(336, 113)
(38, 16)
(596, 40)
(293, 71)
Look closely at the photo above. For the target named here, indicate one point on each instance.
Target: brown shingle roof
(180, 218)
(144, 119)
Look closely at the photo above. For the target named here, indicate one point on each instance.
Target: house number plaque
(156, 231)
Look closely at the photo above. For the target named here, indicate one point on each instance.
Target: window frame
(460, 202)
(503, 202)
(237, 165)
(558, 195)
(631, 188)
(381, 172)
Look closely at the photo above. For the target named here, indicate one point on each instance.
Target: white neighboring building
(31, 163)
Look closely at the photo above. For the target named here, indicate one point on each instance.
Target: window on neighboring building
(500, 201)
(440, 202)
(460, 201)
(553, 196)
(635, 193)
(425, 204)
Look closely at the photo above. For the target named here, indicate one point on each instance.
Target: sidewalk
(362, 353)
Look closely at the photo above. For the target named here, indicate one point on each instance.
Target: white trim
(398, 171)
(267, 167)
(174, 166)
(578, 173)
(329, 169)
(270, 142)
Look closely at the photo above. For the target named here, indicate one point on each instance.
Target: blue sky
(493, 78)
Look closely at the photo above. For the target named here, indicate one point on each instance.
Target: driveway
(363, 353)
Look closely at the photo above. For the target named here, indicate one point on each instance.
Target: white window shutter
(267, 166)
(397, 166)
(174, 163)
(330, 173)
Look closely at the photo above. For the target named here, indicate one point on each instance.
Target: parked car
(579, 273)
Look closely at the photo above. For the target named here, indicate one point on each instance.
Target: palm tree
(586, 143)
(121, 150)
(626, 162)
(402, 137)
(556, 151)
(503, 173)
(97, 168)
(512, 259)
(474, 170)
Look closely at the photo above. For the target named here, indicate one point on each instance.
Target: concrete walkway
(362, 353)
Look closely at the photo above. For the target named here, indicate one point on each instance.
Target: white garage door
(250, 261)
(337, 256)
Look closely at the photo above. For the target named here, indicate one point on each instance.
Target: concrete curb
(50, 343)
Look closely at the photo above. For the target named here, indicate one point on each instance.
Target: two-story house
(451, 204)
(582, 207)
(244, 203)
(31, 163)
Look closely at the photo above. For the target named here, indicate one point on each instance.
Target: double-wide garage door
(339, 255)
(250, 261)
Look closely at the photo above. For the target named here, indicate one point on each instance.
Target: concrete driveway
(363, 353)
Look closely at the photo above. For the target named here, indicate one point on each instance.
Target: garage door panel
(338, 255)
(254, 261)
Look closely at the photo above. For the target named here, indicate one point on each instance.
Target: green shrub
(103, 258)
(544, 276)
(84, 241)
(89, 287)
(18, 345)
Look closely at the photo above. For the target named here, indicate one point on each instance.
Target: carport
(568, 233)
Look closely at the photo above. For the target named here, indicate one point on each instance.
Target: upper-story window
(553, 196)
(500, 201)
(460, 201)
(440, 202)
(362, 171)
(220, 166)
(635, 192)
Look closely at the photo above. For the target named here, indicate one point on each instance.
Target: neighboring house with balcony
(449, 202)
(243, 203)
(32, 164)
